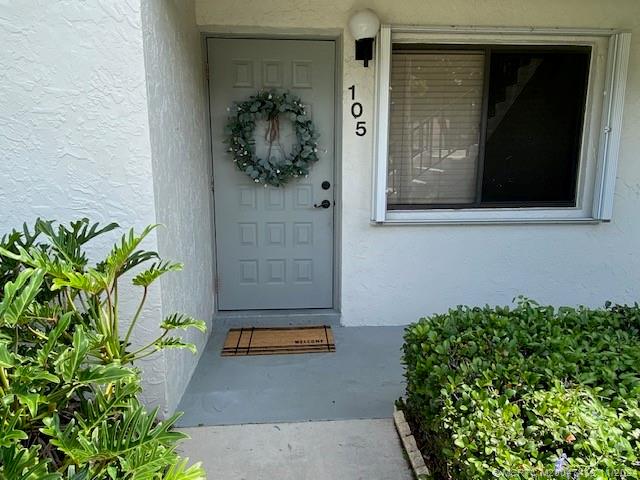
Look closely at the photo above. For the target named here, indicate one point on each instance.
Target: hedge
(526, 392)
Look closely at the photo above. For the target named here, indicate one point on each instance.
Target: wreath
(271, 106)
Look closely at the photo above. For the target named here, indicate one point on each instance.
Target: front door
(274, 249)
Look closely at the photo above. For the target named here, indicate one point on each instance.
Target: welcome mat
(278, 340)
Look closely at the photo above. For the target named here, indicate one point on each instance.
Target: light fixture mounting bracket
(364, 50)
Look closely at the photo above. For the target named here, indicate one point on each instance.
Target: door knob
(323, 204)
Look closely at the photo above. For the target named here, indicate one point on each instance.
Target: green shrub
(69, 406)
(528, 392)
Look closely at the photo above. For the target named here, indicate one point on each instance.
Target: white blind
(434, 130)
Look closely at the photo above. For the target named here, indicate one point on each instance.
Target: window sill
(484, 217)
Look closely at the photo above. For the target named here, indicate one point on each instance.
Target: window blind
(434, 126)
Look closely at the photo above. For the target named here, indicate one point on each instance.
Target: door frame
(260, 33)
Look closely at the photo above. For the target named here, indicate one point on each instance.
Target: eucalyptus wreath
(271, 106)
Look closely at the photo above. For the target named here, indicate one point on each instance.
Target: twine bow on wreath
(273, 130)
(272, 134)
(270, 106)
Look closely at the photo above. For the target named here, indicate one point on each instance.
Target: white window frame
(601, 132)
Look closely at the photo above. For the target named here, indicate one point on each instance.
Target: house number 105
(356, 112)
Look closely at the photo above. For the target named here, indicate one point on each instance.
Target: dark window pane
(534, 125)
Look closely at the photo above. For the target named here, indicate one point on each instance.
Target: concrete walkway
(336, 450)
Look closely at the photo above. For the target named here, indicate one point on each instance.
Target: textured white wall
(179, 132)
(73, 116)
(74, 137)
(392, 275)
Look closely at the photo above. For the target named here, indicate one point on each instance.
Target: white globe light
(364, 24)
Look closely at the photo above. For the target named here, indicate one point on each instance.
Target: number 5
(361, 130)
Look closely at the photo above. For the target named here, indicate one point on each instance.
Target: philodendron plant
(69, 406)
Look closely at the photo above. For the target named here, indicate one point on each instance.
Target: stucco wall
(179, 132)
(74, 137)
(392, 275)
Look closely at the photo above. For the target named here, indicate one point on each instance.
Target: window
(497, 129)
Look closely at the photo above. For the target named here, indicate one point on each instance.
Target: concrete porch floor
(361, 380)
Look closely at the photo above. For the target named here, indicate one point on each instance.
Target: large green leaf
(101, 374)
(9, 267)
(34, 374)
(149, 462)
(73, 357)
(126, 254)
(31, 401)
(19, 295)
(183, 322)
(68, 242)
(12, 436)
(175, 343)
(148, 276)
(180, 471)
(92, 281)
(9, 430)
(7, 359)
(34, 257)
(11, 289)
(54, 334)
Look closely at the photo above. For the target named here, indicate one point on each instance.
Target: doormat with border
(278, 340)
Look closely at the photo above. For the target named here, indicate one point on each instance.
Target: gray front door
(274, 250)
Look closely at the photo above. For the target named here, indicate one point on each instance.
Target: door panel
(274, 249)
